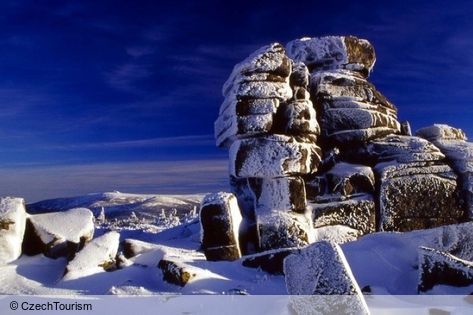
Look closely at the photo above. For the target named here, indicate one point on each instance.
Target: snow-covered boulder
(297, 118)
(321, 269)
(132, 247)
(268, 60)
(452, 142)
(282, 229)
(349, 179)
(279, 193)
(97, 256)
(299, 76)
(333, 52)
(404, 149)
(417, 197)
(220, 220)
(338, 234)
(441, 132)
(273, 156)
(350, 109)
(12, 228)
(59, 233)
(358, 213)
(175, 272)
(271, 261)
(437, 267)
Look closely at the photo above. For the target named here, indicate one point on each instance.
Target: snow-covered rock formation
(12, 228)
(313, 144)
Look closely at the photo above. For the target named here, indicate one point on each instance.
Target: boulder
(273, 156)
(278, 193)
(297, 118)
(175, 272)
(404, 149)
(271, 261)
(299, 76)
(246, 107)
(132, 248)
(270, 59)
(459, 153)
(260, 89)
(406, 128)
(58, 234)
(358, 213)
(12, 228)
(279, 229)
(220, 220)
(347, 179)
(417, 197)
(338, 234)
(97, 256)
(437, 267)
(321, 269)
(228, 129)
(333, 52)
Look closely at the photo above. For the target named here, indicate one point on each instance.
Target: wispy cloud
(171, 177)
(124, 77)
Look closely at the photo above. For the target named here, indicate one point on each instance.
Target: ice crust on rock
(437, 267)
(441, 132)
(96, 256)
(58, 233)
(272, 156)
(12, 228)
(333, 52)
(220, 220)
(321, 269)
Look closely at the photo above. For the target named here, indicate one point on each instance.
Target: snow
(321, 269)
(94, 257)
(12, 228)
(59, 227)
(267, 59)
(441, 132)
(272, 156)
(300, 118)
(261, 89)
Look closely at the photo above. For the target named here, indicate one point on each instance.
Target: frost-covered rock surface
(97, 256)
(12, 228)
(322, 269)
(437, 268)
(220, 220)
(58, 233)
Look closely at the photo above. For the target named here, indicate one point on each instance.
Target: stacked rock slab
(350, 108)
(416, 188)
(12, 228)
(459, 153)
(269, 124)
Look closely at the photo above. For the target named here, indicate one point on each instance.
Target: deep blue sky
(123, 95)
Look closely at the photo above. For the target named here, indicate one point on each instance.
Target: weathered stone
(299, 75)
(270, 59)
(261, 89)
(58, 234)
(437, 267)
(246, 107)
(132, 247)
(220, 220)
(279, 193)
(404, 149)
(333, 52)
(297, 118)
(321, 269)
(231, 128)
(337, 119)
(273, 156)
(176, 273)
(441, 132)
(358, 213)
(338, 234)
(459, 153)
(271, 261)
(406, 129)
(96, 256)
(348, 179)
(12, 228)
(417, 197)
(344, 89)
(279, 229)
